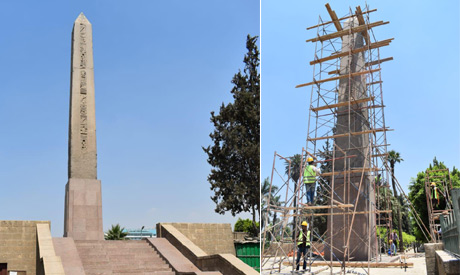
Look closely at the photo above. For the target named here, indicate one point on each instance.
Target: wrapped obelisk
(83, 200)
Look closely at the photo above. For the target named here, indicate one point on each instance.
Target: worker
(434, 194)
(392, 251)
(309, 179)
(378, 179)
(303, 244)
(395, 238)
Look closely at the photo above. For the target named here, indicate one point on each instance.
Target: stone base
(83, 210)
(446, 263)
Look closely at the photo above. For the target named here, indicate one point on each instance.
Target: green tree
(116, 233)
(266, 194)
(417, 194)
(244, 226)
(275, 202)
(393, 158)
(235, 152)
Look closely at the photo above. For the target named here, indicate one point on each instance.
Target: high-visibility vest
(434, 193)
(300, 238)
(309, 176)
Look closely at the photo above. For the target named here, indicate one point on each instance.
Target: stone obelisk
(353, 121)
(83, 199)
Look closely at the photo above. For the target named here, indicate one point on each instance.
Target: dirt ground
(419, 268)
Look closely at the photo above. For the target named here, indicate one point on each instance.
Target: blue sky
(420, 86)
(161, 67)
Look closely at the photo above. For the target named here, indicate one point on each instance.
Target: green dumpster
(249, 253)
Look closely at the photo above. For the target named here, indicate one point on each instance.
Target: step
(121, 257)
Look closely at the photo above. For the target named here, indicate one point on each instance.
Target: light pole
(141, 231)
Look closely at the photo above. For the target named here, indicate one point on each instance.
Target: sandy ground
(418, 268)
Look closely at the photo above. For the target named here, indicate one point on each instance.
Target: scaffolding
(440, 205)
(347, 137)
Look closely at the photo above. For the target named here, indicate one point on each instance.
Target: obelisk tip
(82, 18)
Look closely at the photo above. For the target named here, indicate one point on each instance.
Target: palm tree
(295, 167)
(293, 170)
(265, 195)
(276, 202)
(393, 158)
(116, 233)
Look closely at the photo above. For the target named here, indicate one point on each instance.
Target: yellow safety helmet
(433, 184)
(304, 223)
(309, 159)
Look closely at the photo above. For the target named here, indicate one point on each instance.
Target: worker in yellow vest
(303, 244)
(309, 179)
(434, 194)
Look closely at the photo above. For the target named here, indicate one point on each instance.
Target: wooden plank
(352, 102)
(361, 22)
(334, 72)
(351, 133)
(334, 18)
(439, 170)
(304, 206)
(362, 264)
(374, 45)
(340, 19)
(349, 213)
(347, 31)
(353, 171)
(378, 61)
(336, 78)
(372, 83)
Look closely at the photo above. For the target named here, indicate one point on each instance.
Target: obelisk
(353, 121)
(83, 199)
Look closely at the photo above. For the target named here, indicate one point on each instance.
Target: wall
(430, 257)
(212, 238)
(18, 245)
(227, 264)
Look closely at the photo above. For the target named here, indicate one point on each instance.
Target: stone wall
(447, 263)
(430, 257)
(18, 245)
(212, 238)
(227, 264)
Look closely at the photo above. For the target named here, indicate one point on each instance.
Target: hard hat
(391, 241)
(433, 184)
(304, 223)
(309, 159)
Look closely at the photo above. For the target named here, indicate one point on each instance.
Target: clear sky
(420, 86)
(161, 67)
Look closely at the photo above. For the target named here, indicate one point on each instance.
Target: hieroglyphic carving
(82, 46)
(83, 89)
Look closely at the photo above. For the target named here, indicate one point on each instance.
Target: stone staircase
(121, 257)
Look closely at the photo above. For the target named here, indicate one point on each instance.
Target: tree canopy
(244, 226)
(234, 154)
(417, 194)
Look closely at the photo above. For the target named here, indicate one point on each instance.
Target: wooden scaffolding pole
(374, 45)
(347, 31)
(336, 78)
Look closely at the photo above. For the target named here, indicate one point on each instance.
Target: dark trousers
(301, 250)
